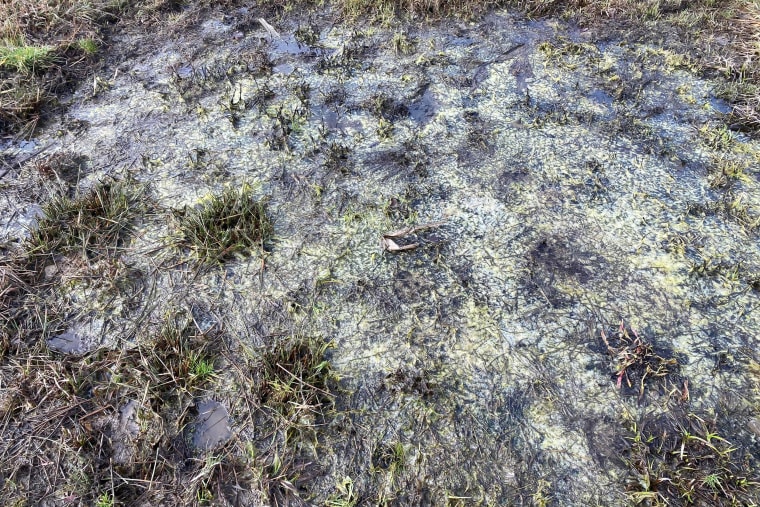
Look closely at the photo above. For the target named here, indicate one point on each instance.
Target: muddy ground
(574, 321)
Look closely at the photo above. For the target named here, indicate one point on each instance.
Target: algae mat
(530, 255)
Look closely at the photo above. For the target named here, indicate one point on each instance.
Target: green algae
(578, 183)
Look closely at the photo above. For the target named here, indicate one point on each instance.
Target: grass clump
(91, 227)
(20, 102)
(390, 458)
(178, 362)
(718, 138)
(39, 52)
(295, 375)
(724, 172)
(201, 367)
(232, 223)
(402, 44)
(88, 46)
(686, 462)
(105, 500)
(289, 386)
(93, 224)
(635, 361)
(24, 58)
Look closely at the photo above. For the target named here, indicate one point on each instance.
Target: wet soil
(572, 181)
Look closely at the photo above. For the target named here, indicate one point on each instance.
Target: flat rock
(212, 428)
(78, 339)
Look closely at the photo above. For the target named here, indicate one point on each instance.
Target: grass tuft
(176, 359)
(88, 46)
(20, 102)
(201, 367)
(105, 500)
(636, 362)
(290, 383)
(24, 58)
(226, 225)
(390, 458)
(724, 173)
(686, 462)
(92, 225)
(295, 375)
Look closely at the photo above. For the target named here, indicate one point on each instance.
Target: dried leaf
(391, 246)
(398, 233)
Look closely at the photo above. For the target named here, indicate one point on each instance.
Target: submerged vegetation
(46, 49)
(179, 336)
(685, 461)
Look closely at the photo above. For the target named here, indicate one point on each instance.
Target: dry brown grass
(59, 23)
(743, 65)
(58, 40)
(576, 9)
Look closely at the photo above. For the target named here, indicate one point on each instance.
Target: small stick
(269, 28)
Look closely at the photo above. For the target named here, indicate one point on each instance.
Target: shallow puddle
(577, 186)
